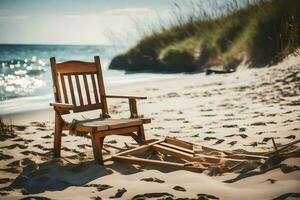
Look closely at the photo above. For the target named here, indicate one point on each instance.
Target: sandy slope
(242, 110)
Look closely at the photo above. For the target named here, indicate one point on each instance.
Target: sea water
(25, 74)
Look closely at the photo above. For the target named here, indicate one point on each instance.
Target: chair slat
(79, 90)
(76, 67)
(86, 85)
(95, 88)
(63, 85)
(72, 89)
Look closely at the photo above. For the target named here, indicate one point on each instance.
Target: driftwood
(196, 158)
(218, 71)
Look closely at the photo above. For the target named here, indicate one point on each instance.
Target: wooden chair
(93, 97)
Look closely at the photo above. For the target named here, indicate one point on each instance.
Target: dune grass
(259, 34)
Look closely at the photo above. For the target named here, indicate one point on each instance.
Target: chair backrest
(89, 92)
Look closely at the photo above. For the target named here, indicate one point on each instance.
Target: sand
(242, 110)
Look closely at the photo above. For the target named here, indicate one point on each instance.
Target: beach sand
(242, 110)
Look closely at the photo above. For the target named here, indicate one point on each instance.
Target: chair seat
(108, 124)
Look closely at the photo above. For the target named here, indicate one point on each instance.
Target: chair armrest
(125, 97)
(62, 106)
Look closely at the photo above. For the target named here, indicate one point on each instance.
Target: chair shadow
(57, 175)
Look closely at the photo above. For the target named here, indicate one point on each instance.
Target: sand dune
(239, 112)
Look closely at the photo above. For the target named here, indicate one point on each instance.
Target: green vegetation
(260, 35)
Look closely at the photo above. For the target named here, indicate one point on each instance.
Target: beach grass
(259, 34)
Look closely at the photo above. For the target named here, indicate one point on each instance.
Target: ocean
(25, 75)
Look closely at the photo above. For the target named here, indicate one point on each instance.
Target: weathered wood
(157, 163)
(97, 144)
(139, 149)
(79, 90)
(172, 152)
(135, 137)
(125, 97)
(62, 105)
(133, 108)
(179, 143)
(57, 135)
(64, 90)
(141, 133)
(72, 90)
(101, 86)
(99, 128)
(87, 107)
(76, 67)
(56, 91)
(87, 91)
(190, 157)
(95, 88)
(177, 147)
(119, 131)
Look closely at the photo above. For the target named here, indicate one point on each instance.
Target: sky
(76, 21)
(92, 21)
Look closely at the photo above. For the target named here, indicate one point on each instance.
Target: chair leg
(57, 136)
(141, 133)
(97, 143)
(135, 137)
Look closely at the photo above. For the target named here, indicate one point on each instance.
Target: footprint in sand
(35, 198)
(153, 180)
(46, 137)
(119, 193)
(5, 157)
(100, 187)
(253, 144)
(292, 137)
(232, 143)
(179, 188)
(219, 141)
(206, 196)
(161, 195)
(242, 129)
(259, 124)
(210, 138)
(20, 146)
(230, 126)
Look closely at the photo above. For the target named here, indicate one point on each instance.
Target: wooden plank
(177, 147)
(125, 97)
(72, 90)
(57, 135)
(179, 143)
(189, 157)
(87, 107)
(97, 144)
(101, 86)
(95, 88)
(157, 163)
(119, 131)
(133, 108)
(62, 105)
(63, 85)
(56, 91)
(79, 90)
(135, 137)
(121, 123)
(139, 149)
(76, 67)
(87, 91)
(173, 152)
